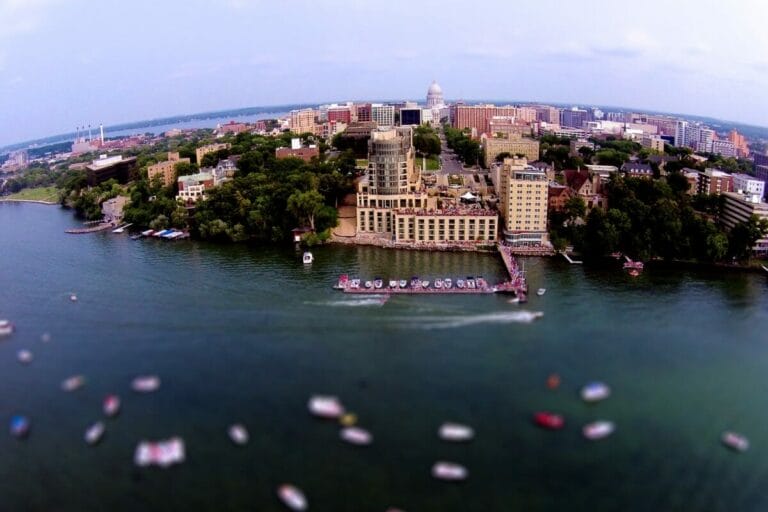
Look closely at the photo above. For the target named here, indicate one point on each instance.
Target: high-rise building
(303, 121)
(364, 113)
(383, 115)
(724, 148)
(740, 143)
(681, 134)
(435, 96)
(478, 117)
(548, 114)
(574, 118)
(411, 116)
(523, 200)
(339, 114)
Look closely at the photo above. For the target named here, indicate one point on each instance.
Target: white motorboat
(94, 433)
(307, 258)
(764, 268)
(356, 435)
(470, 283)
(326, 406)
(425, 284)
(24, 356)
(145, 383)
(541, 291)
(6, 328)
(734, 441)
(403, 283)
(73, 297)
(111, 405)
(378, 283)
(292, 497)
(73, 383)
(448, 283)
(449, 471)
(598, 430)
(514, 300)
(595, 391)
(238, 433)
(438, 284)
(455, 432)
(393, 284)
(160, 453)
(460, 283)
(368, 285)
(354, 284)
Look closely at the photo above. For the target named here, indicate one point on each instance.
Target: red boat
(548, 420)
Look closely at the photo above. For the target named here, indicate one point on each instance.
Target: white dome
(435, 88)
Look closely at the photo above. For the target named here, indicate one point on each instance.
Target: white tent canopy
(469, 196)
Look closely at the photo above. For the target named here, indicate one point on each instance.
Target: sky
(67, 63)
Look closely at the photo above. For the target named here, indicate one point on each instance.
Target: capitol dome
(434, 95)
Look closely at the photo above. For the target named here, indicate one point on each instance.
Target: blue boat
(19, 425)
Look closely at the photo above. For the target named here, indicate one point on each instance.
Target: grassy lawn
(433, 163)
(361, 163)
(50, 194)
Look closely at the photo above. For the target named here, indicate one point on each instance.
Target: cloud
(22, 16)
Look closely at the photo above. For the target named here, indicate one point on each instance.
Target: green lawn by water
(49, 194)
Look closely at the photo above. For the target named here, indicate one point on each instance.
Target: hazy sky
(65, 63)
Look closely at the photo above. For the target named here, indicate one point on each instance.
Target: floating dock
(516, 284)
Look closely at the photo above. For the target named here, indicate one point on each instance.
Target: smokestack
(101, 128)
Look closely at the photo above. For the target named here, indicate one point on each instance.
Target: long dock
(516, 284)
(93, 229)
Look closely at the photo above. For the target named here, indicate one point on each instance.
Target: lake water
(244, 334)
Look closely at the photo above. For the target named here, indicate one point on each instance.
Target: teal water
(245, 334)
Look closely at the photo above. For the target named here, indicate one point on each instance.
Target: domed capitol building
(435, 96)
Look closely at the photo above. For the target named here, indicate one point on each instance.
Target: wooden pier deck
(420, 291)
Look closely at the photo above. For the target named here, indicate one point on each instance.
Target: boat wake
(358, 302)
(445, 322)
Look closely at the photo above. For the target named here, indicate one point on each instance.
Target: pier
(516, 283)
(92, 229)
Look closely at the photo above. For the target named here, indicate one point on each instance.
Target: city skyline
(61, 66)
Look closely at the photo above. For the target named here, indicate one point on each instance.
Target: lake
(245, 334)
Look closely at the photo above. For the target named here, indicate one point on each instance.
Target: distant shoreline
(47, 203)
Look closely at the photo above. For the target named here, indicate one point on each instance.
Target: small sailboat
(307, 258)
(73, 297)
(292, 497)
(6, 328)
(19, 426)
(325, 406)
(238, 433)
(595, 391)
(455, 432)
(449, 471)
(145, 383)
(356, 436)
(541, 291)
(735, 441)
(73, 383)
(24, 356)
(598, 430)
(111, 405)
(94, 433)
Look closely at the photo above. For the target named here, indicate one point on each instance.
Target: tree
(575, 208)
(305, 206)
(501, 156)
(744, 235)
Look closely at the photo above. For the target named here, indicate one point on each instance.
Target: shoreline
(35, 201)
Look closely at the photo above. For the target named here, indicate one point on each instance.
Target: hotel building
(523, 198)
(514, 145)
(302, 121)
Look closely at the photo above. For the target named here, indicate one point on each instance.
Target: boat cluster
(591, 393)
(415, 283)
(165, 234)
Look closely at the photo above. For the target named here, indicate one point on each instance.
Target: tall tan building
(303, 121)
(512, 144)
(210, 148)
(523, 199)
(165, 170)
